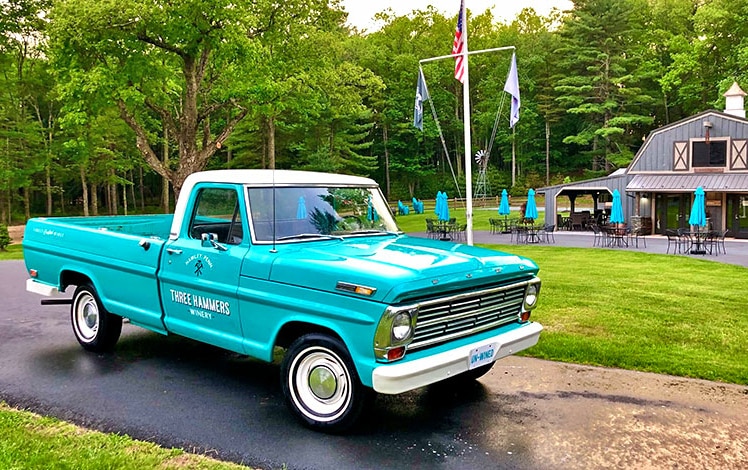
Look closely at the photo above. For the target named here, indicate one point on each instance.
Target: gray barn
(709, 149)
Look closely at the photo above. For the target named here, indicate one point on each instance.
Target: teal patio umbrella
(616, 211)
(504, 207)
(438, 203)
(443, 214)
(531, 210)
(698, 210)
(698, 219)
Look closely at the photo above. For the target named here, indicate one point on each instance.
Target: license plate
(481, 356)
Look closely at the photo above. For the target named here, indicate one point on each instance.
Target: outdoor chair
(673, 240)
(546, 233)
(458, 232)
(577, 221)
(431, 229)
(519, 234)
(719, 242)
(685, 241)
(494, 225)
(599, 238)
(636, 234)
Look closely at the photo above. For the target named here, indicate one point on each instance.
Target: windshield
(309, 212)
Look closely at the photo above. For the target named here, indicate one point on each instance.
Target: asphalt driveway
(526, 413)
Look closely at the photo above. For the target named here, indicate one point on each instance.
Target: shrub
(4, 237)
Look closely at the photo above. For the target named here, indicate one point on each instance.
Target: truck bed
(156, 226)
(120, 254)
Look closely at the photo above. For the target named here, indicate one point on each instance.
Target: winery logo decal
(200, 262)
(199, 305)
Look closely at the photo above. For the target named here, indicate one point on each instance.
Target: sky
(361, 12)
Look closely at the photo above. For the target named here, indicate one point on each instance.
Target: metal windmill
(482, 186)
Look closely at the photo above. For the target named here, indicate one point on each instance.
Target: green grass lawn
(417, 222)
(12, 252)
(641, 311)
(31, 441)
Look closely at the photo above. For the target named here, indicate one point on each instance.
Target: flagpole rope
(441, 134)
(495, 124)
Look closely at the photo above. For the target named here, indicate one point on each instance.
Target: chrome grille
(448, 318)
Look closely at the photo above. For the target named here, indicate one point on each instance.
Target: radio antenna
(273, 250)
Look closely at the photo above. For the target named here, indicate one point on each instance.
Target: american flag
(459, 45)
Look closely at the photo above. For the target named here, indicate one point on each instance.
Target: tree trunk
(84, 186)
(142, 190)
(165, 181)
(26, 203)
(132, 190)
(94, 199)
(48, 185)
(4, 219)
(124, 197)
(115, 192)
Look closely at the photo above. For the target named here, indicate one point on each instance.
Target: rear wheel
(321, 385)
(94, 327)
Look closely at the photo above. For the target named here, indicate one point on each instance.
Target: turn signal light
(396, 353)
(33, 273)
(524, 316)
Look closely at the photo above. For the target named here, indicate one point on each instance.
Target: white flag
(512, 87)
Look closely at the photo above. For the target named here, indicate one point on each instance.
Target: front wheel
(321, 385)
(94, 327)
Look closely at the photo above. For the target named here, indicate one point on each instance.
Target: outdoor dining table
(444, 229)
(698, 240)
(531, 233)
(616, 235)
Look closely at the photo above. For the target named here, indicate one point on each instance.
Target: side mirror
(211, 239)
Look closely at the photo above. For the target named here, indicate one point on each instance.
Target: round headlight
(531, 297)
(401, 326)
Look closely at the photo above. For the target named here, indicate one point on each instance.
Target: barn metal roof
(669, 183)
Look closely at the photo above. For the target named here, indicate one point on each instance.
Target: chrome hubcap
(322, 382)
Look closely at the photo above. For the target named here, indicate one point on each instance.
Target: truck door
(200, 269)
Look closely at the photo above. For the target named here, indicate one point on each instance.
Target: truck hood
(397, 267)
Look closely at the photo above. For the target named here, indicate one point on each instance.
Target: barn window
(709, 154)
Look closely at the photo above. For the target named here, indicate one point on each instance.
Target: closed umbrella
(531, 210)
(438, 205)
(616, 211)
(504, 207)
(698, 219)
(443, 208)
(698, 210)
(301, 208)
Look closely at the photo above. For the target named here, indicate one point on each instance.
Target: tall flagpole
(466, 123)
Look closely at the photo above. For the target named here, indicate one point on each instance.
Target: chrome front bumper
(398, 378)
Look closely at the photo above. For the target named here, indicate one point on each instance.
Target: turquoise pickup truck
(312, 263)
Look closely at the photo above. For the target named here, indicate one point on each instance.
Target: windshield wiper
(302, 236)
(371, 232)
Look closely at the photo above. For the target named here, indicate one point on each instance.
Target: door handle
(173, 251)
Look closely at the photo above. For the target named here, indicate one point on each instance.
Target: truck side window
(217, 211)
